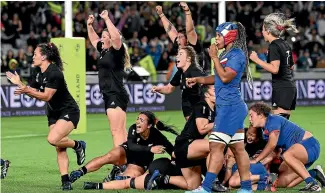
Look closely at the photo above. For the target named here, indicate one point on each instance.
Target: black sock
(99, 186)
(76, 145)
(287, 116)
(65, 178)
(166, 180)
(84, 170)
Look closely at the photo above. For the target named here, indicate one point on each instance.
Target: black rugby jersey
(53, 78)
(281, 50)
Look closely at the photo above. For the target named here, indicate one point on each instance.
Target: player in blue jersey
(301, 149)
(231, 109)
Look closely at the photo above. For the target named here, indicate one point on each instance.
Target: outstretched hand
(14, 78)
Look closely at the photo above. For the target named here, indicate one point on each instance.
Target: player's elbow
(202, 130)
(275, 71)
(225, 79)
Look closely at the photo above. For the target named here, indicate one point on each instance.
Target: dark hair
(261, 108)
(259, 132)
(152, 119)
(183, 31)
(204, 89)
(52, 54)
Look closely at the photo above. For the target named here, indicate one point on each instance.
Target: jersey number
(288, 52)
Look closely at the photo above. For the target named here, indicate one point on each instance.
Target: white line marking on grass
(40, 135)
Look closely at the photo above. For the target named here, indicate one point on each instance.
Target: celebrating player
(144, 140)
(62, 110)
(231, 109)
(186, 60)
(279, 63)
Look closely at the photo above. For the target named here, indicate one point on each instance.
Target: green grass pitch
(33, 161)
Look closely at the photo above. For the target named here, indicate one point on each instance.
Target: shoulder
(54, 72)
(236, 52)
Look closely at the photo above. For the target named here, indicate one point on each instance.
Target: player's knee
(287, 156)
(53, 140)
(232, 182)
(193, 185)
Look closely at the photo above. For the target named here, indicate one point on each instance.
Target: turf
(33, 161)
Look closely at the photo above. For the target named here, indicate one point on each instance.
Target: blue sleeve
(273, 124)
(236, 62)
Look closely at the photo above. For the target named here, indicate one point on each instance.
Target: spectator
(32, 41)
(163, 62)
(135, 57)
(304, 61)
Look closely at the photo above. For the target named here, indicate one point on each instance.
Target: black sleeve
(197, 47)
(132, 141)
(201, 111)
(274, 52)
(197, 73)
(162, 140)
(99, 46)
(35, 72)
(176, 80)
(54, 80)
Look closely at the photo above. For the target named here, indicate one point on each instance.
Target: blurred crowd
(25, 24)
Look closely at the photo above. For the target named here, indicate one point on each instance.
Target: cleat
(4, 168)
(311, 187)
(75, 175)
(152, 184)
(81, 153)
(116, 170)
(90, 185)
(320, 176)
(66, 186)
(198, 190)
(218, 187)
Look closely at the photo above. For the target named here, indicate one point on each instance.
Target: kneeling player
(301, 148)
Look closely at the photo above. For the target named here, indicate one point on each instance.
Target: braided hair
(51, 51)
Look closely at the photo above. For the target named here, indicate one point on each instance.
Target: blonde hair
(127, 61)
(278, 23)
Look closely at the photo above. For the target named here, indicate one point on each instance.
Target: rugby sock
(65, 178)
(84, 170)
(208, 181)
(76, 145)
(99, 186)
(246, 185)
(312, 173)
(310, 180)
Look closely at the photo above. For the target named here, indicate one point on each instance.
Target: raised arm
(113, 31)
(93, 37)
(190, 30)
(169, 27)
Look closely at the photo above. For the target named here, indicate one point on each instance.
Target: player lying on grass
(254, 144)
(62, 110)
(301, 149)
(4, 168)
(144, 140)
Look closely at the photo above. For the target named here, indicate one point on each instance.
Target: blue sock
(208, 181)
(312, 173)
(246, 185)
(309, 180)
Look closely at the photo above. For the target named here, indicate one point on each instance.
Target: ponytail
(51, 51)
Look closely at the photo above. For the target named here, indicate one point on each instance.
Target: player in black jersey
(279, 63)
(187, 37)
(62, 110)
(186, 61)
(143, 141)
(113, 60)
(191, 149)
